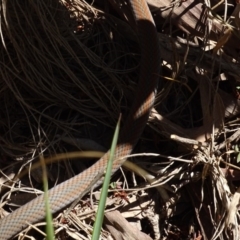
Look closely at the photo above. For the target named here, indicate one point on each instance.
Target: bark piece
(121, 229)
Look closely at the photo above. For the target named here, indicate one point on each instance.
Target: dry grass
(66, 72)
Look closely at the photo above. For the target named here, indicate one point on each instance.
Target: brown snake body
(68, 191)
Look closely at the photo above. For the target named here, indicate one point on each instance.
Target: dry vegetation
(68, 68)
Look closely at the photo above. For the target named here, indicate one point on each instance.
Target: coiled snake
(66, 192)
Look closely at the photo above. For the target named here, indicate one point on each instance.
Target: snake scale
(65, 193)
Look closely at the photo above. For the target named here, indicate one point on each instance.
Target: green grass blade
(101, 207)
(49, 221)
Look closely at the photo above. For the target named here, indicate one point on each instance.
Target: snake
(69, 191)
